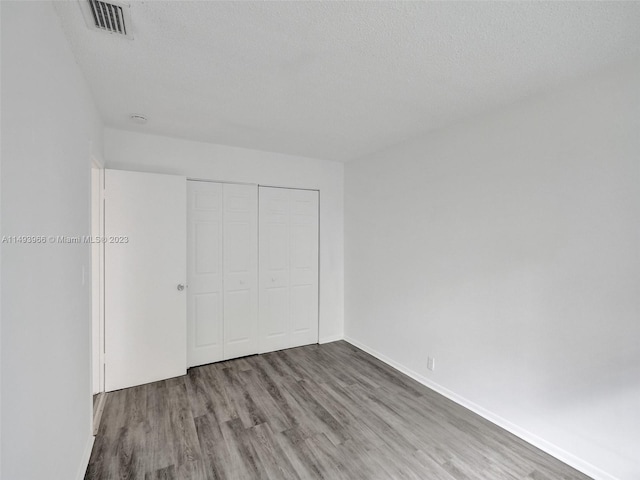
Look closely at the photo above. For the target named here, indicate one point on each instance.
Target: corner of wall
(86, 456)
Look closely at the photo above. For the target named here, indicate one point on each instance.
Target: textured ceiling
(337, 80)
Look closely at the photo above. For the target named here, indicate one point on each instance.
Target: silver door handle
(180, 287)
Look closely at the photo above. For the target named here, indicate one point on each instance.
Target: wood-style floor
(323, 411)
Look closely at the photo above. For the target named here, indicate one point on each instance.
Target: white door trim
(97, 277)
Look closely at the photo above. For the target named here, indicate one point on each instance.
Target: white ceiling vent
(107, 16)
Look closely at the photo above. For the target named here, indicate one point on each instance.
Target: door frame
(97, 279)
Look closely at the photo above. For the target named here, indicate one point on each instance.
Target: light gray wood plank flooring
(318, 412)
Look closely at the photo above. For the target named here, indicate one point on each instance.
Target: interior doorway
(97, 289)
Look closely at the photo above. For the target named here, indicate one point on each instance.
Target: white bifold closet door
(240, 264)
(288, 254)
(145, 272)
(222, 256)
(204, 270)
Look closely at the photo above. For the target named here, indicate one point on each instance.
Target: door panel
(238, 254)
(145, 314)
(207, 244)
(204, 292)
(274, 320)
(278, 241)
(237, 309)
(207, 332)
(240, 232)
(288, 268)
(301, 308)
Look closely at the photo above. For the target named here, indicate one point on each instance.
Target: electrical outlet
(431, 363)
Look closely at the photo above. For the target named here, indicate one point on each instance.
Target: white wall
(196, 160)
(508, 248)
(49, 125)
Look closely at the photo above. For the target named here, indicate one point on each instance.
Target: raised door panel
(240, 264)
(204, 292)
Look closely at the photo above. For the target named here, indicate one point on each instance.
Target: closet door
(240, 264)
(274, 269)
(303, 266)
(145, 272)
(288, 268)
(204, 268)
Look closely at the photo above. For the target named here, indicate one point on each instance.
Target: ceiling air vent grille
(110, 16)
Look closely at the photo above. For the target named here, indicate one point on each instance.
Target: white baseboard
(86, 456)
(333, 338)
(562, 455)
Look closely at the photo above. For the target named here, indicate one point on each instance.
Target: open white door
(145, 273)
